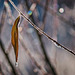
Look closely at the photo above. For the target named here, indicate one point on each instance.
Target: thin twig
(42, 32)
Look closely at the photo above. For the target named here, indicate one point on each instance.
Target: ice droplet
(57, 45)
(16, 64)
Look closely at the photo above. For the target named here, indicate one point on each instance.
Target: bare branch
(42, 32)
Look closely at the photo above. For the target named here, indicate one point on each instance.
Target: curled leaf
(14, 37)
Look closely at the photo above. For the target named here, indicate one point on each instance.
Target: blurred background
(36, 52)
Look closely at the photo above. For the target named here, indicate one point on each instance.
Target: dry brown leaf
(14, 37)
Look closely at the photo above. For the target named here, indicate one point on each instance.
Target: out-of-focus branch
(2, 19)
(29, 54)
(1, 43)
(42, 45)
(1, 72)
(6, 55)
(45, 13)
(54, 13)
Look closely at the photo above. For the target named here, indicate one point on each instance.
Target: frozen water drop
(57, 45)
(16, 64)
